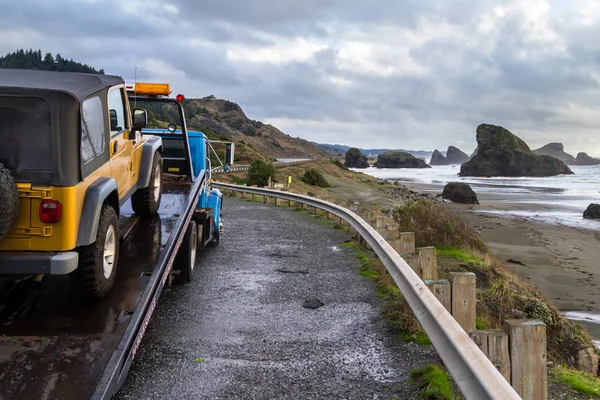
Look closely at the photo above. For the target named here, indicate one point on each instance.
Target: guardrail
(475, 375)
(245, 167)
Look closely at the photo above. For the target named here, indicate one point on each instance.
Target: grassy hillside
(223, 117)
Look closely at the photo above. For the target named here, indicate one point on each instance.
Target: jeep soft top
(46, 150)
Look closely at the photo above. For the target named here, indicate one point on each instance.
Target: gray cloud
(412, 74)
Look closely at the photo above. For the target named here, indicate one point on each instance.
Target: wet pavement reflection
(55, 345)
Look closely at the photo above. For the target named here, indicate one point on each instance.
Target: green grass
(199, 360)
(479, 324)
(418, 338)
(579, 381)
(459, 255)
(238, 181)
(434, 381)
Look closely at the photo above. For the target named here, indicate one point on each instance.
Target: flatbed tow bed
(55, 346)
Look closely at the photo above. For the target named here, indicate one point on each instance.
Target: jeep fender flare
(151, 145)
(97, 193)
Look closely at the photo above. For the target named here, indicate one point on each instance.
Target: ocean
(565, 197)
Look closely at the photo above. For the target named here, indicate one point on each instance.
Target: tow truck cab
(185, 153)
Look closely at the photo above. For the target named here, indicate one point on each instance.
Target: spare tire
(9, 201)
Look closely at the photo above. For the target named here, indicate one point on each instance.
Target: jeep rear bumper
(38, 263)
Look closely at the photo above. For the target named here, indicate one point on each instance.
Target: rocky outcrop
(437, 158)
(584, 159)
(356, 159)
(455, 156)
(500, 153)
(399, 159)
(555, 150)
(592, 212)
(459, 192)
(587, 361)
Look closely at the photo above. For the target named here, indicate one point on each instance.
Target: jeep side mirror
(140, 118)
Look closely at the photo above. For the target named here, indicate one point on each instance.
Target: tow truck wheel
(146, 201)
(185, 259)
(97, 268)
(9, 199)
(215, 239)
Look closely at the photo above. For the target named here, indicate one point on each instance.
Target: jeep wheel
(9, 201)
(186, 255)
(97, 268)
(146, 201)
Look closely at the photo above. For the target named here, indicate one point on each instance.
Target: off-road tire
(88, 279)
(143, 201)
(183, 265)
(9, 201)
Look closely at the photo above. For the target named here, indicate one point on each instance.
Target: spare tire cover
(9, 201)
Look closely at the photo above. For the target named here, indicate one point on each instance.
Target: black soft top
(78, 85)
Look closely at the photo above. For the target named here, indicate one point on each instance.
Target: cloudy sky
(416, 74)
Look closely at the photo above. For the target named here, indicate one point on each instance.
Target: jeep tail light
(180, 98)
(50, 211)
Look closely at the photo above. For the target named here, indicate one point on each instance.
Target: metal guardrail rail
(475, 375)
(245, 167)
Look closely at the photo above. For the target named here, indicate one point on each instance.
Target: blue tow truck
(84, 350)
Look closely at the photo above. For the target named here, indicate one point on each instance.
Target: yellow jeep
(71, 154)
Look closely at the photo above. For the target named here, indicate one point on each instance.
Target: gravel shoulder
(240, 330)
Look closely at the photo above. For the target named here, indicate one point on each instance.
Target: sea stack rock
(556, 150)
(455, 156)
(592, 212)
(399, 159)
(356, 159)
(584, 159)
(437, 158)
(500, 153)
(459, 192)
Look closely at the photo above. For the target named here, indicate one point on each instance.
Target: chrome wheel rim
(193, 249)
(110, 248)
(157, 183)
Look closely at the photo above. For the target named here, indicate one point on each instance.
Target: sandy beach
(561, 260)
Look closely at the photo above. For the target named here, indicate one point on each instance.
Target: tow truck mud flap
(58, 347)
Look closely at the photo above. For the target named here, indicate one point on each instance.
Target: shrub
(339, 164)
(436, 225)
(315, 178)
(260, 172)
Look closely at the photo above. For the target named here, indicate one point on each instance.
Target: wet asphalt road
(239, 330)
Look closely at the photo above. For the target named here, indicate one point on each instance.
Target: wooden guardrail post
(278, 201)
(405, 243)
(428, 263)
(244, 195)
(392, 231)
(265, 199)
(464, 299)
(494, 344)
(442, 290)
(528, 363)
(253, 197)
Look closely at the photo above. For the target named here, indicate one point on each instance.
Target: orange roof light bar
(152, 89)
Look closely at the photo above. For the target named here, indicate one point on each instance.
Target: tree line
(32, 59)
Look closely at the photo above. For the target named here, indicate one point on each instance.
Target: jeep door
(121, 147)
